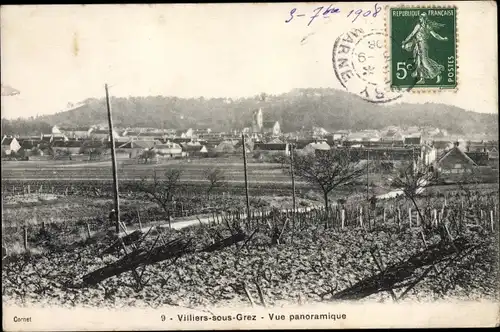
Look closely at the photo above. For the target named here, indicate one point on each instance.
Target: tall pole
(113, 159)
(246, 177)
(292, 148)
(367, 165)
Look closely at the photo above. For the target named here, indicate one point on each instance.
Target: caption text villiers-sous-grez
(251, 317)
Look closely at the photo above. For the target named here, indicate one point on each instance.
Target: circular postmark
(360, 60)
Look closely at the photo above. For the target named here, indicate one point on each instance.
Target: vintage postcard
(250, 166)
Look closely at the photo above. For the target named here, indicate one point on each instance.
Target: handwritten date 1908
(325, 12)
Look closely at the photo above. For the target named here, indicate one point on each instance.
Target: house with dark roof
(72, 146)
(182, 140)
(413, 139)
(312, 147)
(102, 134)
(394, 136)
(59, 138)
(46, 138)
(481, 158)
(442, 145)
(271, 128)
(272, 148)
(28, 144)
(134, 148)
(194, 150)
(299, 144)
(455, 161)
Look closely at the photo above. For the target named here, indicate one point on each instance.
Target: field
(215, 255)
(315, 257)
(193, 170)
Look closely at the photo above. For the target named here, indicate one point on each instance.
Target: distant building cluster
(264, 137)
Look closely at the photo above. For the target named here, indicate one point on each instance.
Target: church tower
(257, 121)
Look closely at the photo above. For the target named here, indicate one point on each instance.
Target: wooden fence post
(384, 214)
(481, 218)
(361, 216)
(492, 221)
(342, 215)
(139, 219)
(418, 219)
(399, 217)
(434, 217)
(409, 215)
(25, 237)
(88, 230)
(29, 189)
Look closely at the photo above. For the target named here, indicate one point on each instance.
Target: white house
(10, 145)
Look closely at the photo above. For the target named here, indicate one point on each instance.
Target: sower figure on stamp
(417, 42)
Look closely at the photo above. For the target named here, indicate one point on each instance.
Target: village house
(442, 145)
(249, 145)
(383, 144)
(355, 137)
(299, 144)
(363, 136)
(78, 132)
(413, 139)
(150, 136)
(29, 144)
(312, 147)
(10, 145)
(318, 132)
(194, 150)
(393, 135)
(102, 134)
(168, 150)
(55, 130)
(271, 128)
(136, 147)
(59, 138)
(272, 148)
(455, 161)
(481, 158)
(71, 146)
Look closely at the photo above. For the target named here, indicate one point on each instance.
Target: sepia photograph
(250, 166)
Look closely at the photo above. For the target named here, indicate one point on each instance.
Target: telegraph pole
(292, 148)
(367, 166)
(113, 159)
(246, 177)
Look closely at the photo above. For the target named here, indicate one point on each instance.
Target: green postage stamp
(423, 48)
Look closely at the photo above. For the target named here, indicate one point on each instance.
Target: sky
(59, 54)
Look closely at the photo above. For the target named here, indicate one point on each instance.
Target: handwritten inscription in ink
(323, 12)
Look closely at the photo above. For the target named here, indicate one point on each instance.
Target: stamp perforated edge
(387, 43)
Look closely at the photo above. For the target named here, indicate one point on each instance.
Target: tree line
(295, 110)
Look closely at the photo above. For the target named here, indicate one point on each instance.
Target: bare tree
(162, 191)
(412, 179)
(216, 178)
(327, 170)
